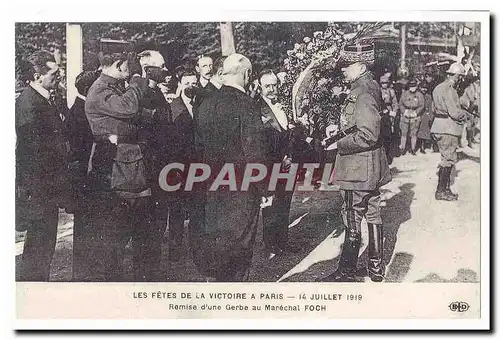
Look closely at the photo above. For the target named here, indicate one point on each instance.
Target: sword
(341, 134)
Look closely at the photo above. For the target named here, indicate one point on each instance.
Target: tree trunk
(227, 38)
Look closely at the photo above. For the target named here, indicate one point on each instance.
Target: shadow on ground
(463, 276)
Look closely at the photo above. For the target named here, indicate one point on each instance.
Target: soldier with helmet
(361, 166)
(447, 128)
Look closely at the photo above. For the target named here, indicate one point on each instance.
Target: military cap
(357, 53)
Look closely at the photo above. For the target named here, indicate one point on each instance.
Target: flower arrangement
(313, 90)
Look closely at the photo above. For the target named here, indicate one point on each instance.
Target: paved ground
(425, 240)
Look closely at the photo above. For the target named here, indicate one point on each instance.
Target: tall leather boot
(346, 272)
(375, 266)
(441, 193)
(447, 176)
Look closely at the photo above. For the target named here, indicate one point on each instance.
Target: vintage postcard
(316, 167)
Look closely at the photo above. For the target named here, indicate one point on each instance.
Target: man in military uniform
(122, 195)
(361, 166)
(411, 105)
(41, 165)
(389, 114)
(447, 128)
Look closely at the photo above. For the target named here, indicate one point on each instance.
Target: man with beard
(41, 165)
(232, 133)
(122, 203)
(182, 150)
(204, 67)
(361, 166)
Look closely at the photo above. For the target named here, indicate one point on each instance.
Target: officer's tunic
(448, 122)
(121, 208)
(361, 166)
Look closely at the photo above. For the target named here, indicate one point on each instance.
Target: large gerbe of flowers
(313, 90)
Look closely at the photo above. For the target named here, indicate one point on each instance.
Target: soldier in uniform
(121, 192)
(411, 105)
(447, 128)
(389, 114)
(361, 165)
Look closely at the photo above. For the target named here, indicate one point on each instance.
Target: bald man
(231, 132)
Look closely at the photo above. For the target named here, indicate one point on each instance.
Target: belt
(115, 139)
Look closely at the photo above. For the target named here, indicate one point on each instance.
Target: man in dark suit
(361, 166)
(41, 165)
(182, 150)
(81, 140)
(275, 217)
(232, 133)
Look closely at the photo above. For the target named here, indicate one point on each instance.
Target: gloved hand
(134, 66)
(156, 74)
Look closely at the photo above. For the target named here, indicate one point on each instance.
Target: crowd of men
(101, 161)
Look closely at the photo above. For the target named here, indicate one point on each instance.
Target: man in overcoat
(361, 165)
(232, 134)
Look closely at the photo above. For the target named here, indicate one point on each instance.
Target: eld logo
(459, 307)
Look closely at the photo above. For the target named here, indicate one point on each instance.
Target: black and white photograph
(277, 152)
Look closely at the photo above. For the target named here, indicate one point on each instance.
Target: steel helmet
(456, 68)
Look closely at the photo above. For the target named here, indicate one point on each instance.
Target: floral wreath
(313, 90)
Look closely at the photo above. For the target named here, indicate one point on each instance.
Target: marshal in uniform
(361, 166)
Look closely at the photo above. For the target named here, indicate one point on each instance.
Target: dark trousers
(39, 247)
(275, 219)
(87, 250)
(120, 221)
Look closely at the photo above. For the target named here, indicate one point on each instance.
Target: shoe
(375, 265)
(422, 148)
(441, 193)
(341, 275)
(403, 152)
(414, 152)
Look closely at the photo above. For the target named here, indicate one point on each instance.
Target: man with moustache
(232, 133)
(42, 151)
(122, 203)
(361, 166)
(204, 67)
(275, 217)
(182, 150)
